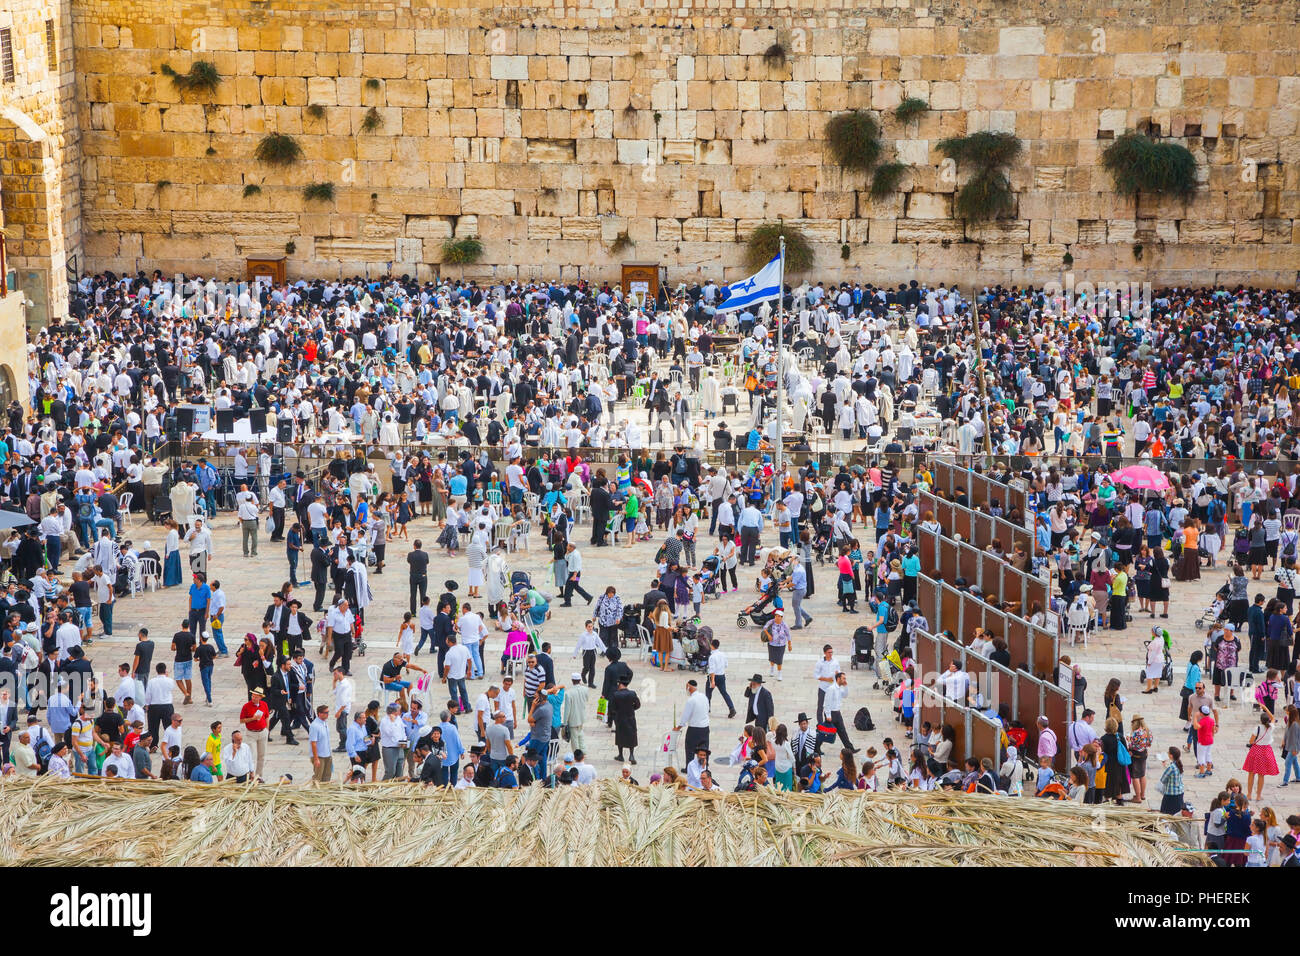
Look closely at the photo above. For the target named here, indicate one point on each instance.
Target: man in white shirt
(392, 741)
(695, 718)
(344, 694)
(718, 678)
(339, 623)
(158, 698)
(484, 708)
(237, 758)
(247, 509)
(472, 631)
(833, 700)
(1082, 733)
(123, 765)
(277, 501)
(67, 636)
(825, 670)
(174, 735)
(586, 772)
(955, 683)
(455, 663)
(316, 520)
(200, 542)
(127, 686)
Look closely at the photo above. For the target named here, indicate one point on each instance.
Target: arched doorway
(7, 393)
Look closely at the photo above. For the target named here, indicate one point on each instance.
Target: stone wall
(550, 130)
(40, 155)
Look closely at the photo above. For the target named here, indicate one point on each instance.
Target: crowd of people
(494, 407)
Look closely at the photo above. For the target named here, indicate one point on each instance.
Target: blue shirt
(798, 577)
(319, 734)
(201, 774)
(356, 739)
(457, 485)
(200, 595)
(882, 617)
(451, 741)
(911, 566)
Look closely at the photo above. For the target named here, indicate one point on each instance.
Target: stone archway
(31, 197)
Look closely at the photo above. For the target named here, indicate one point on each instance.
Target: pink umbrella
(1142, 478)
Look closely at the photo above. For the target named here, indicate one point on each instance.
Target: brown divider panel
(967, 564)
(959, 523)
(986, 741)
(950, 606)
(1056, 708)
(927, 599)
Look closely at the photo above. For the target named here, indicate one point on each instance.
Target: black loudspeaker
(185, 420)
(284, 430)
(225, 421)
(257, 420)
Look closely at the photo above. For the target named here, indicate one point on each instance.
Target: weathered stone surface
(685, 137)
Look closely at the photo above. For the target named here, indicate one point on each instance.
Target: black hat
(477, 749)
(450, 585)
(801, 718)
(531, 754)
(756, 679)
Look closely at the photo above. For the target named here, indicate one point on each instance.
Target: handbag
(1121, 753)
(1099, 781)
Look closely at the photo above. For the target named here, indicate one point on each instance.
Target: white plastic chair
(124, 509)
(519, 532)
(1077, 620)
(647, 642)
(149, 573)
(515, 658)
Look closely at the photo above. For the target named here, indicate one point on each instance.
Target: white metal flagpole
(780, 376)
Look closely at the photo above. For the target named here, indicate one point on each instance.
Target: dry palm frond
(51, 822)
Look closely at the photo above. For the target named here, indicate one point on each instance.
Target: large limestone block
(929, 206)
(929, 230)
(1022, 41)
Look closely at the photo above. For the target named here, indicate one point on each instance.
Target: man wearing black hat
(698, 764)
(803, 743)
(320, 563)
(760, 708)
(277, 616)
(624, 705)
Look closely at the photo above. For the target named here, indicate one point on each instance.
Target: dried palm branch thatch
(51, 822)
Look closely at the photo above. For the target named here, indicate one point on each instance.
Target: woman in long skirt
(1190, 563)
(172, 555)
(439, 509)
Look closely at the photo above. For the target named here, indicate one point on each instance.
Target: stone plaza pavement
(248, 583)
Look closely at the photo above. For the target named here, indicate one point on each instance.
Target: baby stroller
(627, 631)
(864, 648)
(821, 544)
(758, 611)
(695, 642)
(709, 576)
(1167, 671)
(519, 581)
(1214, 613)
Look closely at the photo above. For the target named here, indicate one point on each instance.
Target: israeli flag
(761, 286)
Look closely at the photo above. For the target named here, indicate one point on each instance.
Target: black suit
(760, 708)
(281, 696)
(320, 562)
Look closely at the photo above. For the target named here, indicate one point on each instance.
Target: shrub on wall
(1138, 163)
(987, 193)
(886, 178)
(910, 109)
(203, 77)
(278, 149)
(854, 139)
(318, 192)
(765, 242)
(372, 121)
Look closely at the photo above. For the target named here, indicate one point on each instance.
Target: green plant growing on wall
(251, 190)
(765, 242)
(854, 138)
(1067, 260)
(278, 149)
(621, 243)
(210, 151)
(885, 180)
(462, 252)
(318, 192)
(162, 184)
(316, 111)
(910, 109)
(1137, 163)
(845, 251)
(987, 193)
(372, 121)
(290, 247)
(372, 84)
(203, 77)
(774, 55)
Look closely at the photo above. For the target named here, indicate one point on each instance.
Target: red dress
(1260, 758)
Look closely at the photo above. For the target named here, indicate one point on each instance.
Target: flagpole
(780, 376)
